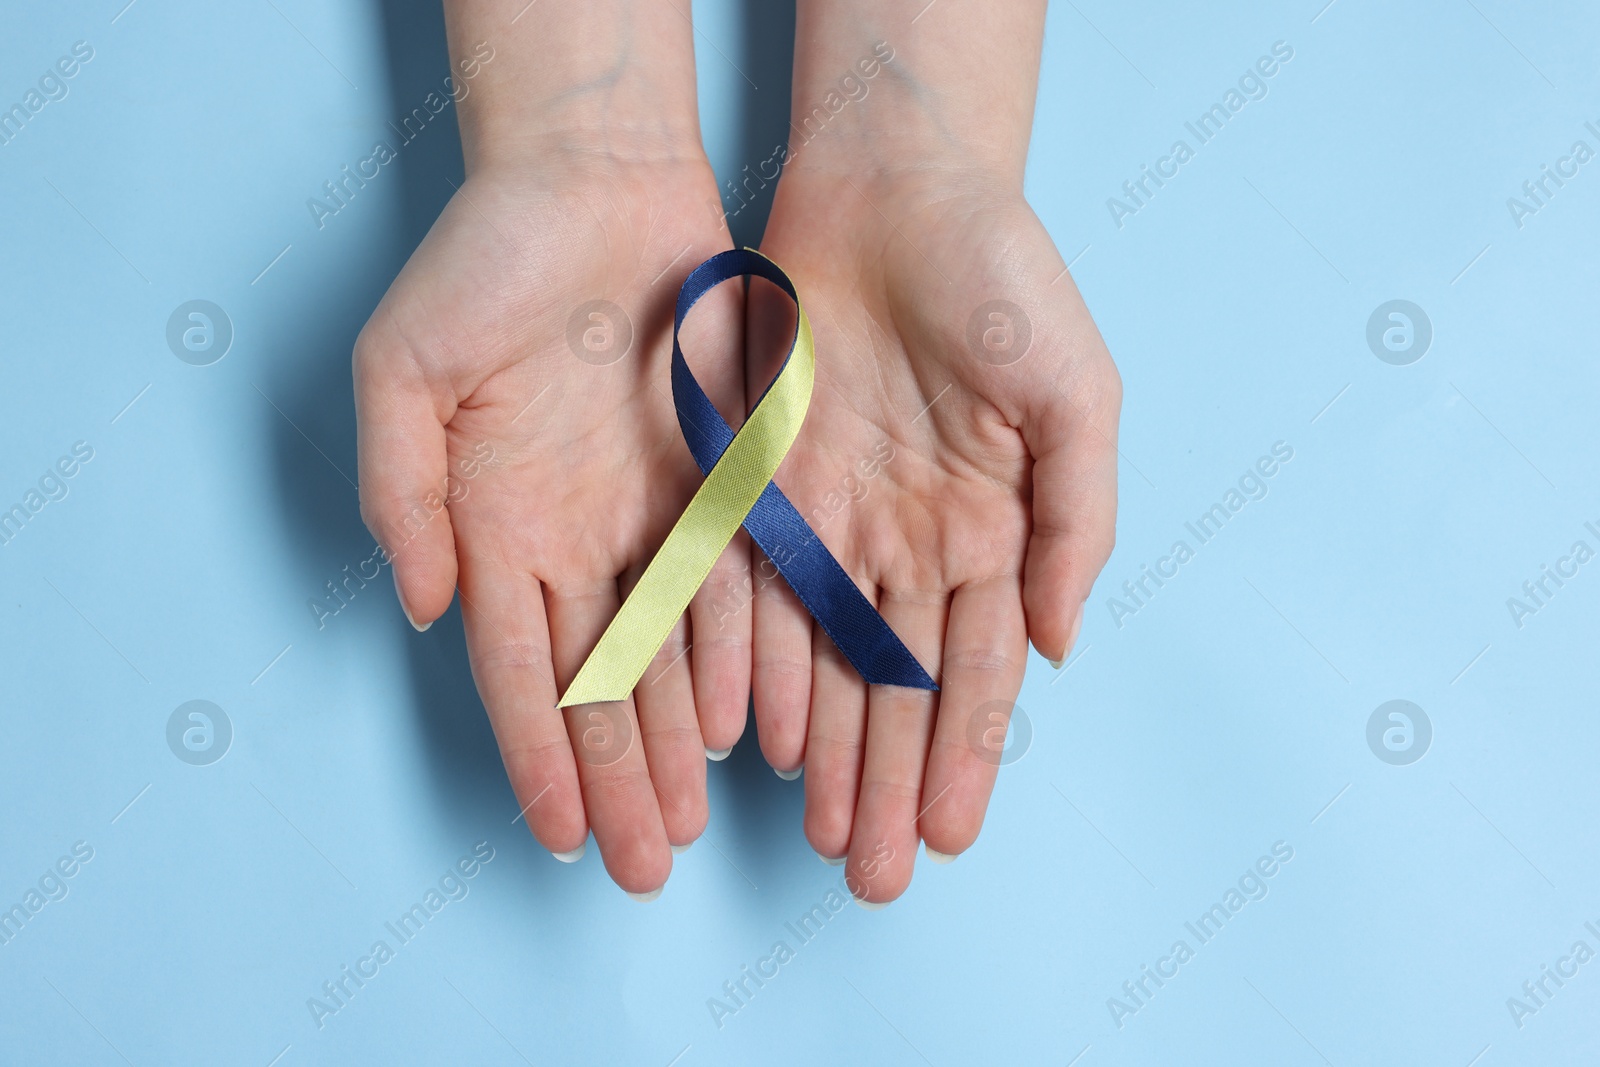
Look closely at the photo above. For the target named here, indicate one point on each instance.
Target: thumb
(402, 470)
(1072, 439)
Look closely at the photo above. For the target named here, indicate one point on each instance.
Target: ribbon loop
(739, 490)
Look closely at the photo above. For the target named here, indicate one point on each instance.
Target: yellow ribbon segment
(703, 530)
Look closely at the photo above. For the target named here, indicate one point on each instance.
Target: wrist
(614, 82)
(531, 143)
(902, 86)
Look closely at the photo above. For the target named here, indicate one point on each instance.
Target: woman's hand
(959, 456)
(518, 366)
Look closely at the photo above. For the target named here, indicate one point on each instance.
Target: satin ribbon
(739, 491)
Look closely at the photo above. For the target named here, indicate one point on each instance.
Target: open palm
(959, 459)
(517, 368)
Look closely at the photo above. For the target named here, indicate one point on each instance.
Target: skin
(897, 220)
(984, 528)
(578, 188)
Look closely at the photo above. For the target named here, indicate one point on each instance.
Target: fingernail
(871, 905)
(939, 857)
(788, 776)
(1072, 639)
(645, 898)
(401, 594)
(719, 755)
(574, 856)
(831, 862)
(678, 850)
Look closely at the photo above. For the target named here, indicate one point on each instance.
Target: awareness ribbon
(739, 491)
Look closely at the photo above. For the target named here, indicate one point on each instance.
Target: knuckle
(1110, 379)
(678, 739)
(626, 789)
(980, 660)
(529, 761)
(511, 655)
(898, 793)
(1107, 543)
(832, 751)
(719, 644)
(676, 644)
(785, 684)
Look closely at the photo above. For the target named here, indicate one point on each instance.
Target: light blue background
(1224, 716)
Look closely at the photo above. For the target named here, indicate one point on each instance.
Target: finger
(720, 625)
(835, 743)
(985, 654)
(1073, 441)
(402, 468)
(508, 644)
(612, 771)
(781, 667)
(673, 749)
(883, 843)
